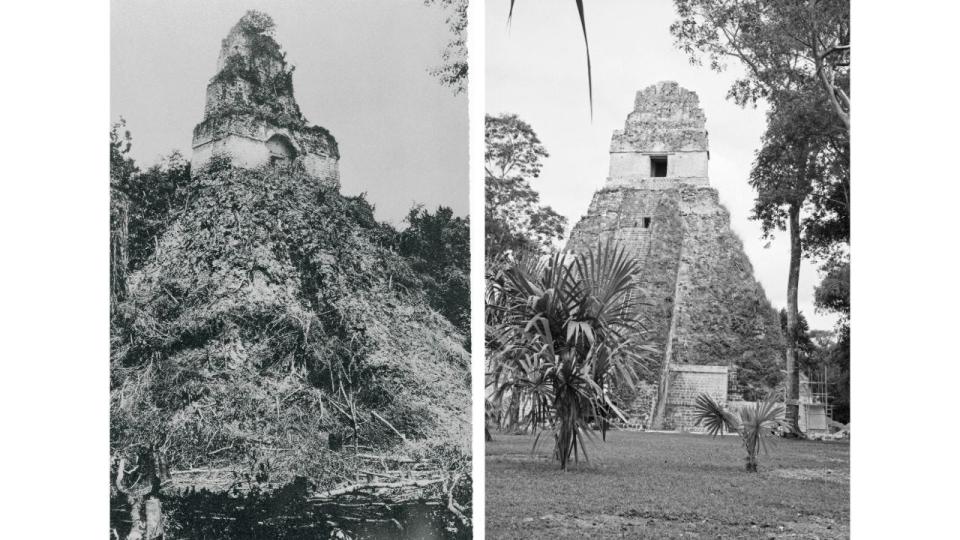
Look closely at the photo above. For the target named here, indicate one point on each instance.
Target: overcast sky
(361, 72)
(537, 69)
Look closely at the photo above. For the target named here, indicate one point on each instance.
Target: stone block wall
(653, 183)
(325, 168)
(688, 381)
(241, 150)
(680, 165)
(250, 152)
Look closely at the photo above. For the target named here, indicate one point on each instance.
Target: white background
(54, 271)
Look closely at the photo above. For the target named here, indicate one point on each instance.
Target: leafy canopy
(781, 44)
(804, 162)
(438, 247)
(515, 220)
(453, 71)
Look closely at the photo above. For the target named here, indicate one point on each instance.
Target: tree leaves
(453, 72)
(781, 45)
(515, 221)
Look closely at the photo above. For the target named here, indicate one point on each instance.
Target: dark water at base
(286, 513)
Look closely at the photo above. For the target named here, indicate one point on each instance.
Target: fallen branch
(397, 459)
(389, 425)
(374, 485)
(195, 471)
(453, 506)
(120, 471)
(381, 475)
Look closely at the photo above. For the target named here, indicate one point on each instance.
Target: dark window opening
(281, 151)
(646, 223)
(658, 166)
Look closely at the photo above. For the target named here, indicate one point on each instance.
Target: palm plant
(565, 327)
(755, 424)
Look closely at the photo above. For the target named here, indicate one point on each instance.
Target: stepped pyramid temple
(704, 310)
(251, 115)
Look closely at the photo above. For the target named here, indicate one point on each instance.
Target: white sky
(361, 72)
(537, 69)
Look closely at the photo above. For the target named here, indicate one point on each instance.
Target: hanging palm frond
(586, 45)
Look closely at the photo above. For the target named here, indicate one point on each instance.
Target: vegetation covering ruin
(276, 332)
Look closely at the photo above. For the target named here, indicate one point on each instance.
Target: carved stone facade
(251, 116)
(695, 273)
(666, 127)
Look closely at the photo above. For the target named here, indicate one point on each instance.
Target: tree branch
(388, 424)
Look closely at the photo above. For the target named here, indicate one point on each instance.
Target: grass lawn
(668, 485)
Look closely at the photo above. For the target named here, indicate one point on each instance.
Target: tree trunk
(834, 94)
(831, 91)
(146, 510)
(146, 517)
(513, 412)
(793, 316)
(119, 218)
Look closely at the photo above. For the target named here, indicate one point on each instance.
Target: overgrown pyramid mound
(702, 301)
(251, 115)
(273, 329)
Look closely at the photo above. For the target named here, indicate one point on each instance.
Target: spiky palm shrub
(565, 327)
(755, 424)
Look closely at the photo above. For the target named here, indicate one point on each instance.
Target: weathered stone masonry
(251, 115)
(658, 204)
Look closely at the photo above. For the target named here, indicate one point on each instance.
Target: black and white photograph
(479, 269)
(289, 284)
(667, 260)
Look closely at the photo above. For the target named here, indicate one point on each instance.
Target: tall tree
(798, 158)
(514, 218)
(122, 170)
(781, 43)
